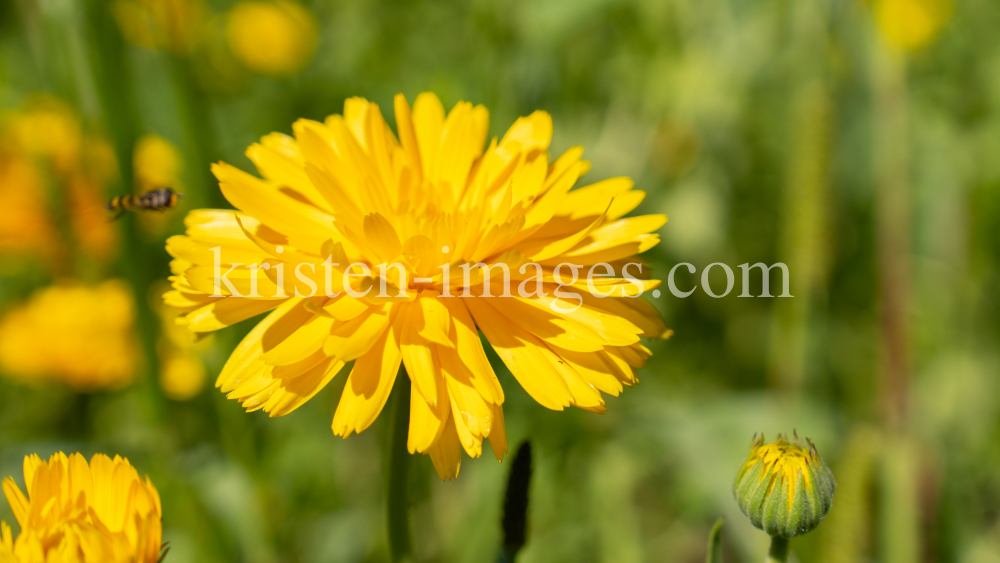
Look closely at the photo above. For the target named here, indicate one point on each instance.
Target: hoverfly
(159, 199)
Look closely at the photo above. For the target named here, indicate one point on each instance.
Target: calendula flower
(406, 236)
(72, 511)
(784, 487)
(274, 37)
(81, 336)
(911, 24)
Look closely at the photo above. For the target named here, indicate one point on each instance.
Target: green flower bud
(784, 487)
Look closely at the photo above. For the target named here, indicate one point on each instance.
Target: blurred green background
(856, 142)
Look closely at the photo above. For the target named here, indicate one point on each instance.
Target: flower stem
(398, 493)
(779, 550)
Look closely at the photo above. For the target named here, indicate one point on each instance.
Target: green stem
(779, 550)
(137, 261)
(398, 497)
(202, 144)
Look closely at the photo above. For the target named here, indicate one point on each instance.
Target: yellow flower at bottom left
(101, 512)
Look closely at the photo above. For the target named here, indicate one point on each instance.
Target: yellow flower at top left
(72, 511)
(77, 335)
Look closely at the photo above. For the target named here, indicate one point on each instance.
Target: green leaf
(715, 543)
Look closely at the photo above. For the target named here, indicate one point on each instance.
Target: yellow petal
(273, 161)
(285, 326)
(418, 356)
(428, 121)
(227, 311)
(446, 453)
(593, 370)
(407, 135)
(248, 354)
(426, 421)
(619, 232)
(592, 200)
(470, 351)
(344, 307)
(533, 365)
(435, 321)
(17, 501)
(305, 341)
(609, 329)
(562, 164)
(382, 238)
(293, 393)
(471, 443)
(354, 338)
(273, 208)
(498, 433)
(368, 386)
(528, 133)
(552, 327)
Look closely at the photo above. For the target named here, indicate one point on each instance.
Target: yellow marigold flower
(81, 336)
(784, 487)
(175, 25)
(275, 37)
(157, 163)
(74, 512)
(911, 24)
(437, 217)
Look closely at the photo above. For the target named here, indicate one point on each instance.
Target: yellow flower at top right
(276, 38)
(909, 25)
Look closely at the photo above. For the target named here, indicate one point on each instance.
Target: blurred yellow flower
(156, 163)
(48, 128)
(177, 26)
(275, 37)
(349, 191)
(74, 512)
(911, 24)
(80, 336)
(182, 376)
(26, 230)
